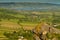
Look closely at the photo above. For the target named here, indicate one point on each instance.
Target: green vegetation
(13, 20)
(51, 36)
(15, 35)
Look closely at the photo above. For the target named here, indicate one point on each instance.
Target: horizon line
(30, 2)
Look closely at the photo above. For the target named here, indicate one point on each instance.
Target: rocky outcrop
(43, 29)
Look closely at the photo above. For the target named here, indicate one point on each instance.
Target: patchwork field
(12, 20)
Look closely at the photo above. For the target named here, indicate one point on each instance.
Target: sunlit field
(14, 24)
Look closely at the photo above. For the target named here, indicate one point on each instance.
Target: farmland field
(11, 21)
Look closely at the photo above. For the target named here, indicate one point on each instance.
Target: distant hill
(31, 6)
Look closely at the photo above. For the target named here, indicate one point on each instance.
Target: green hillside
(13, 20)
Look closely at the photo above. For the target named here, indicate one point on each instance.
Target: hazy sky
(44, 1)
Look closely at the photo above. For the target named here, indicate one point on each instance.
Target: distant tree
(0, 20)
(18, 22)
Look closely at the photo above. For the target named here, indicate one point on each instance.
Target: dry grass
(12, 25)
